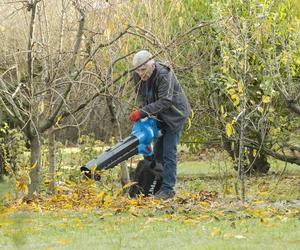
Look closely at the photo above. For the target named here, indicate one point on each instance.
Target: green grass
(90, 230)
(226, 224)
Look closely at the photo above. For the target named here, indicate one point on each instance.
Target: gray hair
(142, 57)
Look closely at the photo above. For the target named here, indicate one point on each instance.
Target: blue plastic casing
(145, 130)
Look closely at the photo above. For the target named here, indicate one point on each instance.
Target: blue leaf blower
(143, 133)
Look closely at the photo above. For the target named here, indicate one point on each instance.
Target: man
(160, 94)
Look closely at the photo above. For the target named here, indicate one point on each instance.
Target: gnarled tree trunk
(35, 161)
(51, 157)
(253, 163)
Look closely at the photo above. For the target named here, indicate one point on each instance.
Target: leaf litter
(188, 207)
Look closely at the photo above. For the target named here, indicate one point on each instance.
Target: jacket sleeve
(165, 89)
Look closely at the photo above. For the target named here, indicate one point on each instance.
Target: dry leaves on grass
(186, 207)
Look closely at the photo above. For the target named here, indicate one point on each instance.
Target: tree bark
(35, 161)
(2, 167)
(31, 40)
(253, 164)
(285, 158)
(51, 157)
(294, 107)
(116, 132)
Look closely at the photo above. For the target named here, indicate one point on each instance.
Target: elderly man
(160, 94)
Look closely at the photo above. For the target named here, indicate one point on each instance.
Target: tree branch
(281, 157)
(11, 102)
(285, 158)
(126, 72)
(51, 119)
(292, 105)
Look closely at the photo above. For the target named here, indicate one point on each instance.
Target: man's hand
(135, 115)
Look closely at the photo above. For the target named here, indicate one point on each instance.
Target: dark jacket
(162, 96)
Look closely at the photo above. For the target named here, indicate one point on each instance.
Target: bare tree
(54, 77)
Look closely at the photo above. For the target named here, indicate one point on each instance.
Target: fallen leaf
(264, 221)
(258, 202)
(204, 216)
(239, 236)
(63, 242)
(215, 232)
(190, 221)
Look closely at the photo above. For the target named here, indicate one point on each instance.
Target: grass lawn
(206, 214)
(91, 230)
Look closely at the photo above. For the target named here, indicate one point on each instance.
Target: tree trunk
(35, 161)
(294, 107)
(51, 156)
(2, 168)
(255, 164)
(116, 132)
(258, 163)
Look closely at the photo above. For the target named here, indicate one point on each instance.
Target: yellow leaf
(258, 212)
(129, 184)
(63, 242)
(180, 21)
(225, 69)
(33, 166)
(67, 206)
(89, 65)
(58, 120)
(266, 99)
(254, 152)
(41, 107)
(215, 232)
(107, 201)
(236, 99)
(22, 186)
(93, 168)
(259, 202)
(99, 196)
(260, 109)
(192, 114)
(222, 109)
(262, 194)
(189, 123)
(231, 91)
(229, 130)
(59, 173)
(204, 204)
(275, 131)
(204, 216)
(240, 88)
(190, 221)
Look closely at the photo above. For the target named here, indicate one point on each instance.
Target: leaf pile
(189, 207)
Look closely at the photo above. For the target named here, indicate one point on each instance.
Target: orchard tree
(45, 72)
(253, 82)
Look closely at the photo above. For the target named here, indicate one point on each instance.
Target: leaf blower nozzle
(139, 142)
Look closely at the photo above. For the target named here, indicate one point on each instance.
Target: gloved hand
(135, 115)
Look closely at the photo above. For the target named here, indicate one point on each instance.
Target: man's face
(145, 71)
